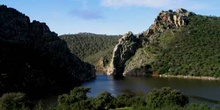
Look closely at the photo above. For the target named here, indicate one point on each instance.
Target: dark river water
(199, 91)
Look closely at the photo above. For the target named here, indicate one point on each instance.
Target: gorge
(37, 62)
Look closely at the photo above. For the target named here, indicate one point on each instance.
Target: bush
(166, 96)
(13, 101)
(104, 101)
(76, 100)
(129, 99)
(197, 107)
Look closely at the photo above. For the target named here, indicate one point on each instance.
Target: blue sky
(105, 16)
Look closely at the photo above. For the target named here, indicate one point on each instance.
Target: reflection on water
(196, 89)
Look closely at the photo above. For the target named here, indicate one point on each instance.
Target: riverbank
(189, 77)
(172, 76)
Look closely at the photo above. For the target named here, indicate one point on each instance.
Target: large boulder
(33, 59)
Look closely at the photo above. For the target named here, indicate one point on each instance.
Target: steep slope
(33, 59)
(93, 48)
(123, 51)
(193, 50)
(178, 43)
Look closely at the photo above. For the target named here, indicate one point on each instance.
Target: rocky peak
(172, 19)
(129, 43)
(167, 20)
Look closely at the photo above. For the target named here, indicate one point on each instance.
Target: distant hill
(177, 43)
(35, 60)
(92, 48)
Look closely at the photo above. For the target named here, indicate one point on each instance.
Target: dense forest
(91, 47)
(157, 99)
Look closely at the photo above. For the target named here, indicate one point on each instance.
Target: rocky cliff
(130, 56)
(33, 59)
(123, 51)
(166, 20)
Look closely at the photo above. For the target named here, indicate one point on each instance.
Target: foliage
(166, 96)
(157, 99)
(198, 107)
(103, 56)
(39, 106)
(139, 62)
(104, 101)
(13, 101)
(87, 45)
(129, 99)
(76, 100)
(190, 50)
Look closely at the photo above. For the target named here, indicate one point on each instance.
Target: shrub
(197, 107)
(165, 96)
(104, 101)
(76, 100)
(13, 101)
(130, 98)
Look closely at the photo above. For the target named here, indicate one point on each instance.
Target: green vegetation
(103, 56)
(91, 47)
(165, 96)
(144, 57)
(190, 50)
(13, 101)
(76, 100)
(157, 99)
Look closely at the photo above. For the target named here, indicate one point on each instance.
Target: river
(199, 91)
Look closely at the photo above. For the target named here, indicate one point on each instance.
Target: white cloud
(161, 4)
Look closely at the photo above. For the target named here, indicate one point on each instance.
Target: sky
(112, 17)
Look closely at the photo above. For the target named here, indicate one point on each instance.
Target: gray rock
(123, 51)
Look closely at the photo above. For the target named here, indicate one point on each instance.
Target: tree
(104, 101)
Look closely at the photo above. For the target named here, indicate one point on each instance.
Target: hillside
(177, 43)
(93, 48)
(192, 50)
(35, 60)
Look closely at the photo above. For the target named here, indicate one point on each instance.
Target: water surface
(201, 91)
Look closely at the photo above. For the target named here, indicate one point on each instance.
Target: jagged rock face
(123, 51)
(34, 59)
(139, 65)
(167, 20)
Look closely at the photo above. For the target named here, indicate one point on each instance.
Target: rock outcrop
(167, 20)
(33, 59)
(123, 51)
(124, 54)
